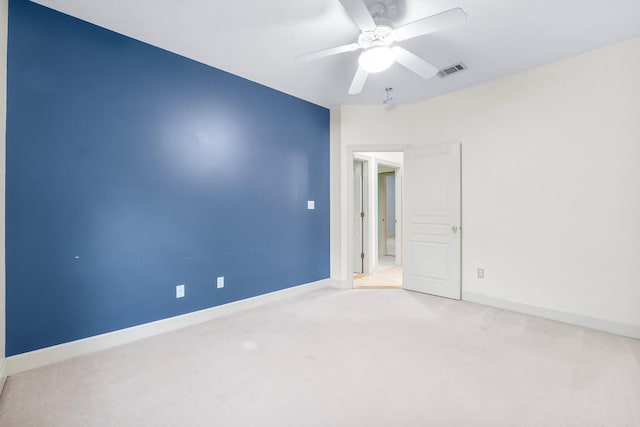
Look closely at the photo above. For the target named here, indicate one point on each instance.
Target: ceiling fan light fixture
(376, 59)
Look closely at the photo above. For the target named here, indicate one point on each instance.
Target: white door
(432, 220)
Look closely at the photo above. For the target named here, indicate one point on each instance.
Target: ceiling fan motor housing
(382, 35)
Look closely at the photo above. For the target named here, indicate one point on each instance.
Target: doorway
(428, 218)
(379, 219)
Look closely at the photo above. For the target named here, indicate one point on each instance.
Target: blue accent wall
(131, 169)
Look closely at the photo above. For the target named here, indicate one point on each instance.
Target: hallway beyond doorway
(388, 275)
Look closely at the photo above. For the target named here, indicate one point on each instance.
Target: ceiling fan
(378, 35)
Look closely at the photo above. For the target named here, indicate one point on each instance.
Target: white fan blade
(328, 52)
(358, 81)
(414, 63)
(441, 21)
(359, 14)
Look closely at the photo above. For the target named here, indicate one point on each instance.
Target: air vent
(452, 69)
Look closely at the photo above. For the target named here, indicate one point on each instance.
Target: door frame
(366, 164)
(351, 150)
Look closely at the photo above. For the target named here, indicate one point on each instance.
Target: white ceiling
(259, 39)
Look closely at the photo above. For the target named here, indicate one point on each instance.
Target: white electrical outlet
(481, 273)
(180, 291)
(220, 282)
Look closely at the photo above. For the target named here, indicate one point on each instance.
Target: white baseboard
(3, 374)
(37, 358)
(341, 284)
(560, 316)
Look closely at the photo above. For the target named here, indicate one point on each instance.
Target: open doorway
(379, 220)
(428, 194)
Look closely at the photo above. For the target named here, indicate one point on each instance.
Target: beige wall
(3, 116)
(550, 176)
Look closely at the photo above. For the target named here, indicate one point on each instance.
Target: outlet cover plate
(220, 282)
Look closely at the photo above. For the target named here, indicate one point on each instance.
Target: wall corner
(4, 12)
(335, 170)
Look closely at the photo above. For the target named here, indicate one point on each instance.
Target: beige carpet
(345, 358)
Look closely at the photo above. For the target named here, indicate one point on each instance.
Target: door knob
(454, 229)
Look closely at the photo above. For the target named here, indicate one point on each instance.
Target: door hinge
(362, 255)
(361, 214)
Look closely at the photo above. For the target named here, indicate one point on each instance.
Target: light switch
(311, 204)
(180, 291)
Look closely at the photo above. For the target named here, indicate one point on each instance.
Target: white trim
(341, 284)
(367, 162)
(399, 215)
(37, 358)
(3, 376)
(560, 316)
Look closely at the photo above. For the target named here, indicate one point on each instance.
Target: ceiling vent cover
(452, 69)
